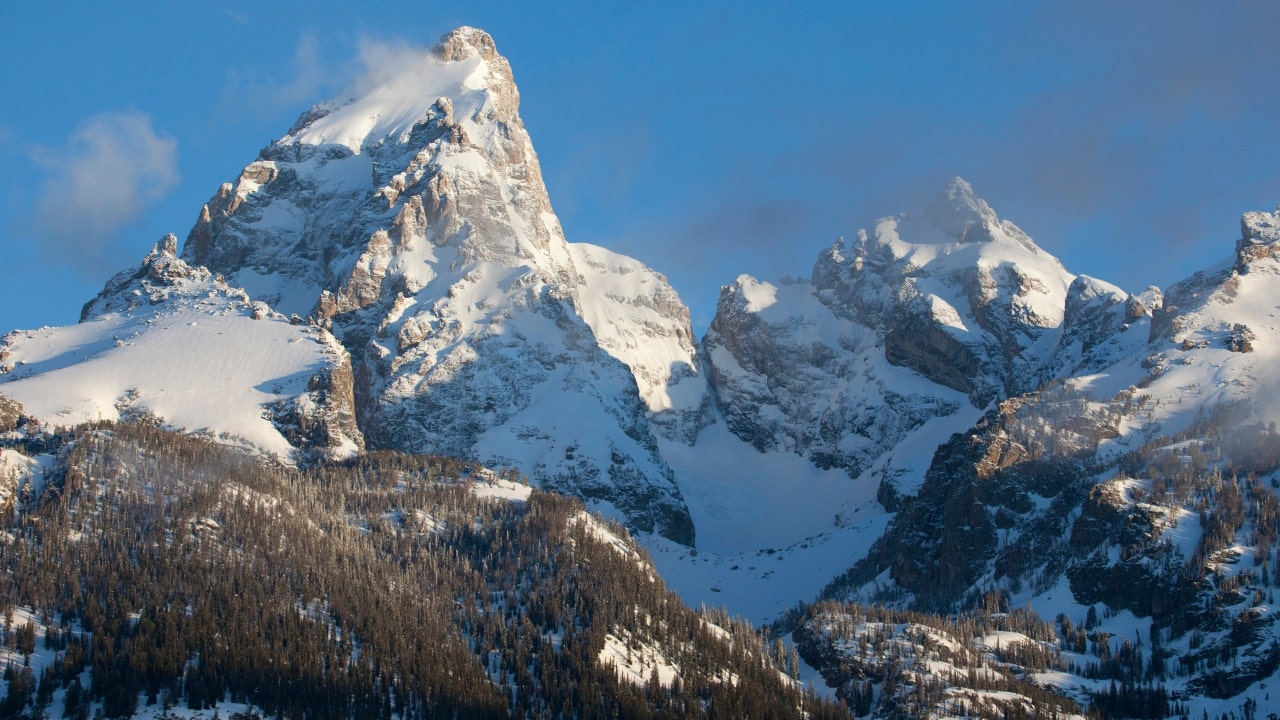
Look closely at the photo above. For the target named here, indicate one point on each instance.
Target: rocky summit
(412, 222)
(917, 318)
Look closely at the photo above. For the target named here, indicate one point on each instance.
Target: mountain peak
(168, 246)
(463, 42)
(1259, 237)
(409, 217)
(401, 88)
(161, 274)
(959, 213)
(959, 190)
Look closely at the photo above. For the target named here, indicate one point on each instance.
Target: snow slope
(638, 318)
(172, 341)
(773, 528)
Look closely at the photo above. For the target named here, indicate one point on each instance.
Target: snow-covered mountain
(1198, 369)
(409, 217)
(638, 318)
(1045, 437)
(1141, 482)
(923, 317)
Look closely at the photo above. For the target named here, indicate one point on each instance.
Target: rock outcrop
(10, 414)
(1101, 323)
(1259, 238)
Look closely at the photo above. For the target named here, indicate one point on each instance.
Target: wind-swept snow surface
(173, 342)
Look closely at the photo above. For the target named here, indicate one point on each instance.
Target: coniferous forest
(159, 570)
(152, 572)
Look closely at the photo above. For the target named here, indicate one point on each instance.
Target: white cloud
(266, 97)
(113, 168)
(313, 76)
(232, 14)
(382, 60)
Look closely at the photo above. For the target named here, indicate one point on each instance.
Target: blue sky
(706, 139)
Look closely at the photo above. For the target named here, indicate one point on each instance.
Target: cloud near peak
(113, 168)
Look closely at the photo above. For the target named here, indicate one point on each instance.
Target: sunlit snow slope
(172, 341)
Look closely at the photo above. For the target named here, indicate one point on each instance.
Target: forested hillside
(149, 569)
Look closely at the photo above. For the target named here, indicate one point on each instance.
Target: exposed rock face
(1010, 476)
(912, 341)
(1144, 579)
(789, 376)
(15, 468)
(1177, 315)
(1241, 338)
(1094, 312)
(1259, 238)
(1101, 323)
(877, 659)
(173, 342)
(412, 220)
(10, 413)
(324, 417)
(160, 276)
(914, 320)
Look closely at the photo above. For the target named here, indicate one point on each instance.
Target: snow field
(205, 369)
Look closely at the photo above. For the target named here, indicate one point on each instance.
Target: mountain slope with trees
(161, 570)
